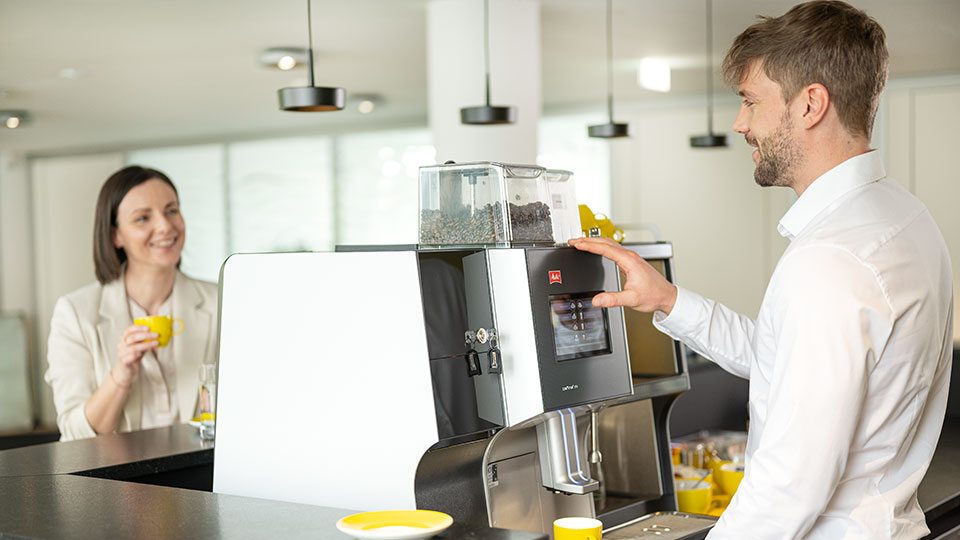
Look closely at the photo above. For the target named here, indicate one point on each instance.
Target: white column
(455, 73)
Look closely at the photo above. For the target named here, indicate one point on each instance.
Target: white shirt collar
(830, 186)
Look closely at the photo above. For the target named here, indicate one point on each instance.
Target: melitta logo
(555, 277)
(569, 387)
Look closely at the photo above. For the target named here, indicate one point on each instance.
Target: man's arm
(705, 326)
(711, 329)
(832, 321)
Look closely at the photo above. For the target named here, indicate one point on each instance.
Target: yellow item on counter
(715, 465)
(693, 496)
(729, 477)
(388, 524)
(590, 220)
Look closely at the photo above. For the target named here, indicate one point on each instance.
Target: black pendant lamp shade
(611, 129)
(311, 98)
(486, 115)
(711, 139)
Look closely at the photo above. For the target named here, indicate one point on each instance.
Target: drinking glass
(208, 400)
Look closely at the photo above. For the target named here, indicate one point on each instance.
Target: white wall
(921, 137)
(703, 200)
(65, 193)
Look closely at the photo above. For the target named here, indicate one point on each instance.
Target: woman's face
(149, 227)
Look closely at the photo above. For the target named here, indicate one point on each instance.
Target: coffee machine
(505, 397)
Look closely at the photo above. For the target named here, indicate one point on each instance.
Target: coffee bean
(528, 223)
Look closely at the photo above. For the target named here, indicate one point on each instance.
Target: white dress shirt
(848, 361)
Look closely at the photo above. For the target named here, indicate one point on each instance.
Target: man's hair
(823, 41)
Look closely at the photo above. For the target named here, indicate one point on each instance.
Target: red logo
(555, 277)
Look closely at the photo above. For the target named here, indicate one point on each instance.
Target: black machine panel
(584, 361)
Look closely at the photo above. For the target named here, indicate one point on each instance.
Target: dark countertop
(115, 455)
(73, 490)
(68, 506)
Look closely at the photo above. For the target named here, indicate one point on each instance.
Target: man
(848, 359)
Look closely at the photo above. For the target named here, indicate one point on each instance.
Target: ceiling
(154, 72)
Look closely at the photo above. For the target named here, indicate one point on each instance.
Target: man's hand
(644, 289)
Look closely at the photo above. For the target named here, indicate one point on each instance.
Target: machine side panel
(521, 371)
(480, 315)
(315, 382)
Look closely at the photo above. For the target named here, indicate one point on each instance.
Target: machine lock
(471, 356)
(484, 336)
(494, 364)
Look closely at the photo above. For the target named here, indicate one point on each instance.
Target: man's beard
(780, 156)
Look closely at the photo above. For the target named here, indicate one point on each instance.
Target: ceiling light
(311, 98)
(611, 129)
(487, 114)
(654, 74)
(13, 119)
(284, 57)
(365, 103)
(711, 139)
(70, 73)
(286, 62)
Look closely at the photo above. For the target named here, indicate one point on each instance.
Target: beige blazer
(86, 326)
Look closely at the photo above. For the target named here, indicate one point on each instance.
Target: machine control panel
(580, 329)
(581, 348)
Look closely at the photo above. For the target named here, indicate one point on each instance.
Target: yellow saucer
(195, 421)
(395, 524)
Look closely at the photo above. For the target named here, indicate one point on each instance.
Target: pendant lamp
(487, 114)
(611, 129)
(311, 98)
(711, 139)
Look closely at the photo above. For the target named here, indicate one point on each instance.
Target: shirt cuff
(683, 318)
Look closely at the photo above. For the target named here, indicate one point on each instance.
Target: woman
(108, 374)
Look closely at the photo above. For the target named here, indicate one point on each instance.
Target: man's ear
(816, 99)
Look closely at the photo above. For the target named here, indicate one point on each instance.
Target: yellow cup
(162, 325)
(577, 528)
(694, 496)
(730, 476)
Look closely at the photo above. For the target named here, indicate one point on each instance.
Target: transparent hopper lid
(488, 204)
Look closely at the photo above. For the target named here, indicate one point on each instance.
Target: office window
(564, 144)
(197, 171)
(378, 185)
(281, 195)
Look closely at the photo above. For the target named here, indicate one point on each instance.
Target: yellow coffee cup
(577, 528)
(693, 496)
(162, 325)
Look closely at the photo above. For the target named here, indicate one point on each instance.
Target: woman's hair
(108, 259)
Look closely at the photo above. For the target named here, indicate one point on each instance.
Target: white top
(848, 361)
(158, 377)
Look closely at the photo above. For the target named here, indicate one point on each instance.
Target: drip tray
(663, 526)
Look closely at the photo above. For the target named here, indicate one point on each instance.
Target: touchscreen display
(580, 329)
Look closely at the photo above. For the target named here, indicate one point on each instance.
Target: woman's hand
(136, 341)
(644, 289)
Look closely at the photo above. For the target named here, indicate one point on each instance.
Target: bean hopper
(543, 405)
